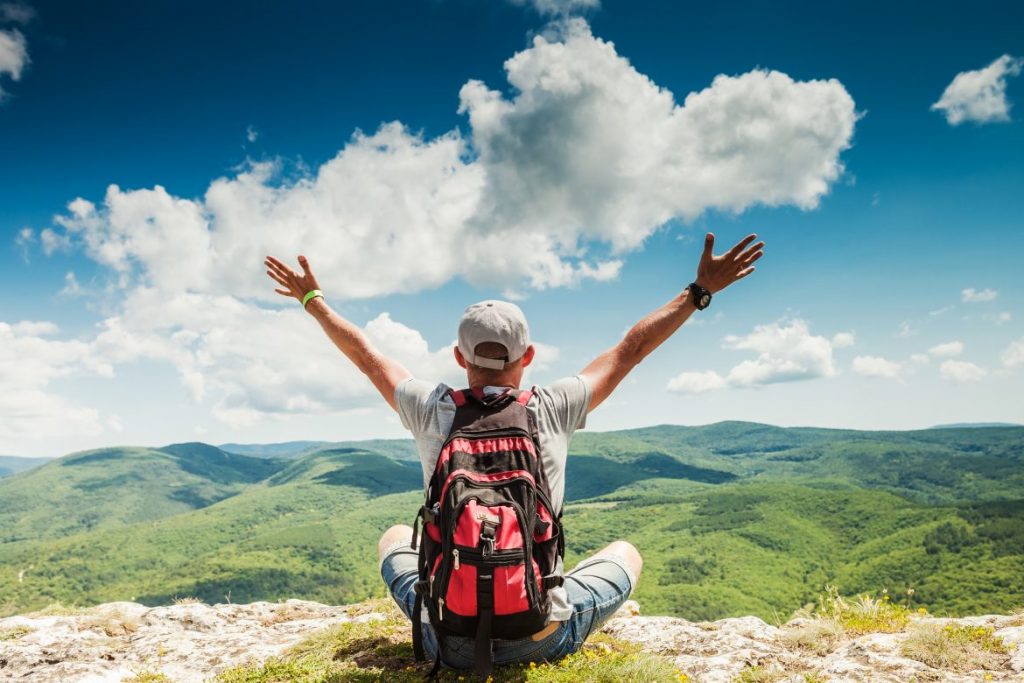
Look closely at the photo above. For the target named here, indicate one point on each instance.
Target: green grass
(382, 651)
(956, 647)
(14, 632)
(864, 613)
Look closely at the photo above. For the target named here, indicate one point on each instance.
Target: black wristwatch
(701, 296)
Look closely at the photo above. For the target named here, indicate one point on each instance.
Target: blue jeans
(597, 587)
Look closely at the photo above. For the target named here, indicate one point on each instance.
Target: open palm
(292, 284)
(715, 273)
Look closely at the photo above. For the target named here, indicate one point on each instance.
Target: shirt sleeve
(413, 398)
(565, 404)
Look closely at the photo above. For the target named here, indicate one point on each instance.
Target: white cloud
(1014, 354)
(581, 165)
(553, 184)
(16, 12)
(980, 95)
(961, 371)
(919, 358)
(696, 382)
(558, 7)
(786, 352)
(842, 340)
(29, 364)
(13, 55)
(71, 287)
(875, 366)
(1000, 318)
(953, 348)
(53, 241)
(973, 296)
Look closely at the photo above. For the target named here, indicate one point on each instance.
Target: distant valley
(733, 518)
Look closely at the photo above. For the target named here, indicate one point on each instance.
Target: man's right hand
(294, 285)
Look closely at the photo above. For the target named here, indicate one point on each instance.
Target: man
(494, 350)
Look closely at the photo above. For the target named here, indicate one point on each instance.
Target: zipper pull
(455, 555)
(432, 577)
(440, 609)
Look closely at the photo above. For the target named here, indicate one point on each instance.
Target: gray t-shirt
(559, 409)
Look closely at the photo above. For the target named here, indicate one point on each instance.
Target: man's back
(559, 409)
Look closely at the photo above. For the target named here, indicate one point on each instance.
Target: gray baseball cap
(499, 322)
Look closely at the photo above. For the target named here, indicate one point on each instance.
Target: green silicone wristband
(311, 294)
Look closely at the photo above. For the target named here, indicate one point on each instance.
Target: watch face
(705, 300)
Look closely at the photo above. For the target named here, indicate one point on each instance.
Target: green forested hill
(11, 464)
(117, 486)
(733, 518)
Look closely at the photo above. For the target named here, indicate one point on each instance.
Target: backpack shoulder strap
(524, 397)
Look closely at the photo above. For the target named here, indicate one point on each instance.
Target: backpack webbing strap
(483, 658)
(417, 628)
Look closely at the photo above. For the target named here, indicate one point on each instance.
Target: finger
(757, 247)
(277, 265)
(277, 278)
(274, 271)
(305, 265)
(743, 273)
(739, 246)
(709, 245)
(285, 292)
(283, 273)
(750, 259)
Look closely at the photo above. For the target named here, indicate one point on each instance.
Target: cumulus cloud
(786, 352)
(553, 183)
(242, 358)
(13, 55)
(843, 340)
(1013, 356)
(953, 348)
(876, 366)
(980, 95)
(961, 371)
(974, 296)
(30, 362)
(696, 382)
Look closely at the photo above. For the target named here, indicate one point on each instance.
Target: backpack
(491, 542)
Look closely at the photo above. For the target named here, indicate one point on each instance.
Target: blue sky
(577, 177)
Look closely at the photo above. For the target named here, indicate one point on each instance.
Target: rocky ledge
(192, 641)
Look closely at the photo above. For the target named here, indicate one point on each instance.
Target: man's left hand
(715, 273)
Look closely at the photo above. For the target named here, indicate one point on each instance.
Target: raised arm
(384, 372)
(714, 273)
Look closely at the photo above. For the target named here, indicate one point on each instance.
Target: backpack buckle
(487, 529)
